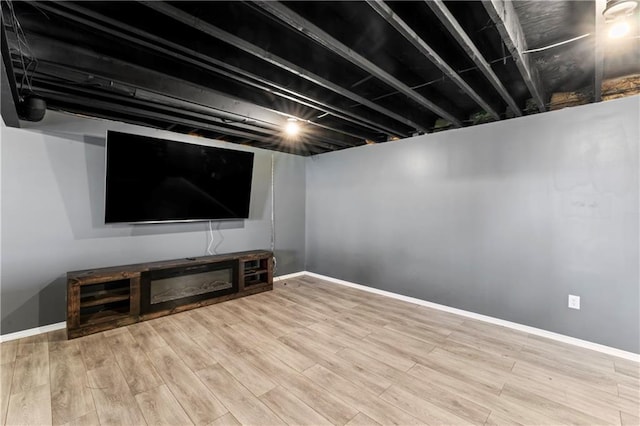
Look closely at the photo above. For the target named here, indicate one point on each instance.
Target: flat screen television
(157, 180)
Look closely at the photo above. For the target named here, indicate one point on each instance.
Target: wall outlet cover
(574, 301)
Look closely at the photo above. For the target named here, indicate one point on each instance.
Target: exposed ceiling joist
(276, 129)
(106, 102)
(304, 26)
(142, 112)
(203, 61)
(282, 63)
(46, 83)
(503, 14)
(130, 77)
(453, 26)
(81, 80)
(423, 47)
(177, 55)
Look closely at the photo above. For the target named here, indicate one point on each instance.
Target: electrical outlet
(574, 301)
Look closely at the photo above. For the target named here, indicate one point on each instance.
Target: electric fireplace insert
(167, 288)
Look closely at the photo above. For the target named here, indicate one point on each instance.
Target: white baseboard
(521, 327)
(286, 277)
(33, 331)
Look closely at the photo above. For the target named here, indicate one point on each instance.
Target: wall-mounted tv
(158, 180)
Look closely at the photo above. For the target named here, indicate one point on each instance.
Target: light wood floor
(311, 352)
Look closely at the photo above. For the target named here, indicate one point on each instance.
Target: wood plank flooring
(313, 353)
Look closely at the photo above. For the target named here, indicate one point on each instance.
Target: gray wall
(504, 219)
(289, 199)
(52, 195)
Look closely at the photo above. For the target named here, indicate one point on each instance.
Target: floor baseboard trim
(33, 331)
(287, 276)
(513, 325)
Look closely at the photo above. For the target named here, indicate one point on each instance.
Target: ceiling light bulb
(292, 128)
(619, 29)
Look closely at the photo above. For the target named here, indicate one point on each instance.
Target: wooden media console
(106, 298)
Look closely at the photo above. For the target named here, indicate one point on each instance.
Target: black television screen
(157, 180)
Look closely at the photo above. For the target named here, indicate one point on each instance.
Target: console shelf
(99, 298)
(106, 298)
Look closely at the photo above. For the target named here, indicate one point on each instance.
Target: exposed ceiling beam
(181, 57)
(140, 111)
(304, 26)
(45, 80)
(149, 100)
(600, 32)
(209, 63)
(453, 26)
(129, 77)
(49, 83)
(9, 91)
(282, 63)
(425, 49)
(65, 75)
(166, 100)
(107, 107)
(503, 14)
(126, 74)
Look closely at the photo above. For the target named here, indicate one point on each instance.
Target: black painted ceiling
(349, 72)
